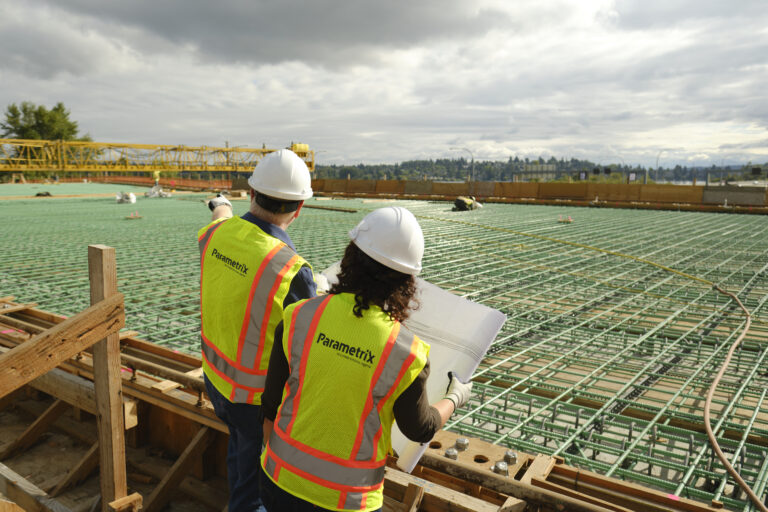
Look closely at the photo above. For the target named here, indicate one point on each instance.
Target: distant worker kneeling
(463, 204)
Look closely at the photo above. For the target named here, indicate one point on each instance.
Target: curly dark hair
(374, 283)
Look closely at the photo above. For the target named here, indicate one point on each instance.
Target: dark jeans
(277, 500)
(243, 451)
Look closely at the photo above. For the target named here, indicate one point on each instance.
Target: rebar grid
(604, 360)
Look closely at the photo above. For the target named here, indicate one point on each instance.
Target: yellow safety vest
(245, 275)
(331, 435)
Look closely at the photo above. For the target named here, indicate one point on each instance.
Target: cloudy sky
(384, 81)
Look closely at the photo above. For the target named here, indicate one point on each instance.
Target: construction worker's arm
(419, 420)
(277, 375)
(220, 208)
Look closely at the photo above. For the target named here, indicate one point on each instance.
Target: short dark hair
(274, 205)
(373, 283)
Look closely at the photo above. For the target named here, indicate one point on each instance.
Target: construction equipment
(19, 155)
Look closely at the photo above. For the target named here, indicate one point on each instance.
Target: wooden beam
(88, 463)
(9, 506)
(25, 494)
(162, 493)
(203, 492)
(540, 482)
(539, 468)
(130, 503)
(35, 430)
(77, 392)
(8, 400)
(45, 351)
(413, 496)
(434, 497)
(507, 485)
(17, 307)
(102, 269)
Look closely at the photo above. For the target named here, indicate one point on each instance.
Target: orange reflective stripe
(230, 372)
(203, 242)
(340, 477)
(270, 304)
(304, 353)
(363, 465)
(369, 398)
(247, 316)
(403, 369)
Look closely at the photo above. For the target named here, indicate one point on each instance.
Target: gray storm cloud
(387, 81)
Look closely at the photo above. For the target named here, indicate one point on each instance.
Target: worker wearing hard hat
(249, 273)
(463, 204)
(346, 368)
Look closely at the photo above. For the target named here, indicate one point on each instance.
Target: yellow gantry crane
(18, 155)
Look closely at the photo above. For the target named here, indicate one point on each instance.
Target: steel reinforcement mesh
(609, 346)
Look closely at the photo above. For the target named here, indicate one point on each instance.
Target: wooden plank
(9, 506)
(506, 485)
(78, 392)
(39, 427)
(540, 482)
(80, 471)
(102, 270)
(628, 491)
(21, 324)
(513, 505)
(413, 496)
(539, 468)
(131, 502)
(162, 493)
(8, 400)
(166, 385)
(176, 401)
(25, 494)
(436, 498)
(16, 307)
(45, 351)
(201, 491)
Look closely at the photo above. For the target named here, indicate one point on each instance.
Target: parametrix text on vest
(357, 354)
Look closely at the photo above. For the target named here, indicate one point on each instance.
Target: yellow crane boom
(19, 155)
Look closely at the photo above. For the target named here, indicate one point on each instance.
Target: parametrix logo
(356, 354)
(235, 265)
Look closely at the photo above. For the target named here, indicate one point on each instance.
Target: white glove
(219, 200)
(458, 392)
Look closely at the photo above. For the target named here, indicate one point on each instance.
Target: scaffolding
(614, 332)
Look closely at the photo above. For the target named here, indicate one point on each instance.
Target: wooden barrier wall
(577, 193)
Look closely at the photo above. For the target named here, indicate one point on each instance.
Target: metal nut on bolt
(462, 443)
(452, 453)
(501, 468)
(510, 457)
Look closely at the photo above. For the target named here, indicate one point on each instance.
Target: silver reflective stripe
(240, 396)
(324, 469)
(269, 465)
(204, 239)
(300, 332)
(354, 501)
(244, 379)
(259, 304)
(394, 363)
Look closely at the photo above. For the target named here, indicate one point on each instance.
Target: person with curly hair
(347, 370)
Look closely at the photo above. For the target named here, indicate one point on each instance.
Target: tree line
(30, 121)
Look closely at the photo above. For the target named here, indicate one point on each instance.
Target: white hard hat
(392, 236)
(282, 175)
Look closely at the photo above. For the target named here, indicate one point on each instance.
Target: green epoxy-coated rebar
(612, 338)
